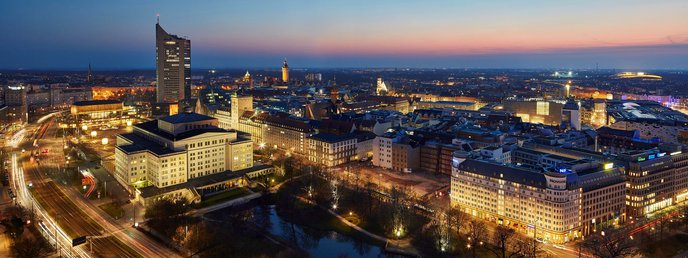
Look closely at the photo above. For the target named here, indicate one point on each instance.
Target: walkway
(237, 201)
(391, 245)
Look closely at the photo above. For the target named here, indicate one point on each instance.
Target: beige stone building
(186, 151)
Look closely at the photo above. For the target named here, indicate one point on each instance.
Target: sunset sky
(381, 33)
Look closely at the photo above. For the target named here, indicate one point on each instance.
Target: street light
(94, 134)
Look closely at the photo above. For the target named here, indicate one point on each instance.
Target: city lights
(522, 136)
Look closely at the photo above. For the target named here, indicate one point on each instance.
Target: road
(74, 215)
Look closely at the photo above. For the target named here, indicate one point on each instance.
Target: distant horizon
(278, 69)
(531, 34)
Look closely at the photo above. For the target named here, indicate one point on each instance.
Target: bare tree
(441, 230)
(662, 220)
(455, 219)
(502, 238)
(610, 245)
(683, 215)
(523, 246)
(30, 247)
(477, 234)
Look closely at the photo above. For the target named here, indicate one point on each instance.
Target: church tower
(285, 71)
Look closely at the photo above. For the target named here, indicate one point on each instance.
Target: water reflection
(318, 243)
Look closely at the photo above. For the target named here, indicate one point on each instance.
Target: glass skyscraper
(173, 66)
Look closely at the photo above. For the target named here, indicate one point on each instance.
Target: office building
(396, 152)
(657, 179)
(17, 106)
(330, 149)
(557, 205)
(173, 66)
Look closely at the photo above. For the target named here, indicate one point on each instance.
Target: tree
(166, 208)
(477, 234)
(523, 246)
(30, 247)
(399, 205)
(502, 238)
(683, 215)
(662, 220)
(609, 244)
(441, 231)
(456, 219)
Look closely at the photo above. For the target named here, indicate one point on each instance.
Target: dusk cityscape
(344, 129)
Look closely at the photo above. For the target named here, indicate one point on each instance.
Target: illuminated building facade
(331, 149)
(17, 106)
(239, 105)
(173, 66)
(656, 179)
(98, 112)
(285, 71)
(557, 206)
(186, 152)
(536, 111)
(381, 87)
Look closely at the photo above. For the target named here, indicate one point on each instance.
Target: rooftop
(186, 118)
(96, 102)
(152, 127)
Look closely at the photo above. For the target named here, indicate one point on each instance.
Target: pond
(318, 243)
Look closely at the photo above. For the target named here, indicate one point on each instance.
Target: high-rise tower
(285, 71)
(173, 66)
(89, 78)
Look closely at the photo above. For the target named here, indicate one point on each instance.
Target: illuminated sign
(641, 159)
(651, 156)
(675, 153)
(608, 166)
(661, 154)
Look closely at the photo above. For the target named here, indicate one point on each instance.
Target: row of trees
(454, 231)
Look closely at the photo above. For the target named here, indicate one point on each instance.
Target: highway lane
(59, 209)
(71, 218)
(123, 230)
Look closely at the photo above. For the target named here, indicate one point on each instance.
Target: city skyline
(635, 35)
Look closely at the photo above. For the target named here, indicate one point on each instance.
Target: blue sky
(384, 33)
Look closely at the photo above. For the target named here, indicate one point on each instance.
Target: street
(75, 216)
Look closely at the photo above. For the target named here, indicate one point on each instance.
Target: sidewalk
(240, 200)
(391, 245)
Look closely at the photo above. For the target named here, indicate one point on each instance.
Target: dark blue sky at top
(250, 34)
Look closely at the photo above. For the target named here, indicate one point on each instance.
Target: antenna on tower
(157, 17)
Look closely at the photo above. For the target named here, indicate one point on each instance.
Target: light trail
(24, 198)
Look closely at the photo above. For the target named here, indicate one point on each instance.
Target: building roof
(616, 132)
(332, 138)
(186, 118)
(289, 123)
(142, 144)
(335, 126)
(96, 102)
(508, 173)
(152, 127)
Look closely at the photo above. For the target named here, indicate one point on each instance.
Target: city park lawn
(224, 196)
(113, 209)
(371, 214)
